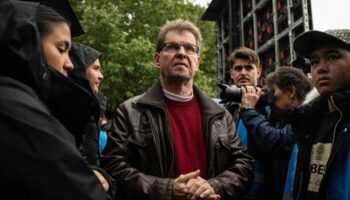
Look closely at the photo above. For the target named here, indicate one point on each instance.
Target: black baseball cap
(64, 8)
(307, 42)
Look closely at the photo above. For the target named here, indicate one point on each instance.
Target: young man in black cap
(322, 126)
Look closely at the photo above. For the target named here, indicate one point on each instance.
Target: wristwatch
(247, 107)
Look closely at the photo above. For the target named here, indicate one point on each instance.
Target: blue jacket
(339, 181)
(272, 143)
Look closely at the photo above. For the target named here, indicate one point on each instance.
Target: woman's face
(284, 101)
(94, 75)
(56, 45)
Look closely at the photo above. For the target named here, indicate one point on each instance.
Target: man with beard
(244, 73)
(174, 142)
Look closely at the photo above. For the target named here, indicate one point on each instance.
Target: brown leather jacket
(139, 152)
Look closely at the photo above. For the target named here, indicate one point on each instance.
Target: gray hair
(178, 25)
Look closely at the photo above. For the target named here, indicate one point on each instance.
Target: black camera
(234, 94)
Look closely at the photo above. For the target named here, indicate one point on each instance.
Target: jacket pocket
(142, 151)
(141, 138)
(222, 149)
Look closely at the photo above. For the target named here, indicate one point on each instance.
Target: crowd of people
(173, 141)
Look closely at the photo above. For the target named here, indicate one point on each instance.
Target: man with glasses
(174, 142)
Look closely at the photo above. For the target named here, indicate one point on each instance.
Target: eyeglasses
(173, 48)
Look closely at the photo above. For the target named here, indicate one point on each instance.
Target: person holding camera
(273, 137)
(268, 138)
(245, 73)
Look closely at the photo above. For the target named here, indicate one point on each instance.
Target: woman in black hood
(42, 111)
(87, 66)
(87, 72)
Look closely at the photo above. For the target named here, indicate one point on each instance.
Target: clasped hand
(191, 186)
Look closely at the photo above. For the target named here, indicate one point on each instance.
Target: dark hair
(285, 77)
(45, 17)
(245, 54)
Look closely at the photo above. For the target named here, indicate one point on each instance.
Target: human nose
(244, 71)
(321, 66)
(68, 65)
(181, 51)
(100, 76)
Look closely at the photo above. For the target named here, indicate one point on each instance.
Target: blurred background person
(245, 73)
(88, 73)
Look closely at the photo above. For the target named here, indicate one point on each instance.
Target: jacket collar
(154, 97)
(342, 100)
(313, 111)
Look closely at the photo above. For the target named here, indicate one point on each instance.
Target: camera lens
(230, 93)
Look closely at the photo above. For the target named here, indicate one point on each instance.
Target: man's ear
(156, 58)
(199, 62)
(259, 70)
(231, 74)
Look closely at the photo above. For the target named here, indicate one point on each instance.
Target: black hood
(63, 8)
(22, 59)
(21, 55)
(82, 57)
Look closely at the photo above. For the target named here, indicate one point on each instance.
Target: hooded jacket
(39, 110)
(82, 57)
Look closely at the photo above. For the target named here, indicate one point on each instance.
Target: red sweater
(188, 138)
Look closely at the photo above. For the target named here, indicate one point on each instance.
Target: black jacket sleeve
(39, 159)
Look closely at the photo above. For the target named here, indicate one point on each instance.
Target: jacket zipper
(300, 185)
(157, 150)
(341, 117)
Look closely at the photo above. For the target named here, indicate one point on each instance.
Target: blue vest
(102, 141)
(339, 177)
(288, 187)
(255, 191)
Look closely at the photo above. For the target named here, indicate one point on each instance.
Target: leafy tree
(126, 31)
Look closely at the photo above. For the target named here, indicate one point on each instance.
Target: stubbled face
(177, 64)
(330, 69)
(94, 75)
(245, 73)
(56, 46)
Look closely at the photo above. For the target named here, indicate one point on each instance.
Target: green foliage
(126, 31)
